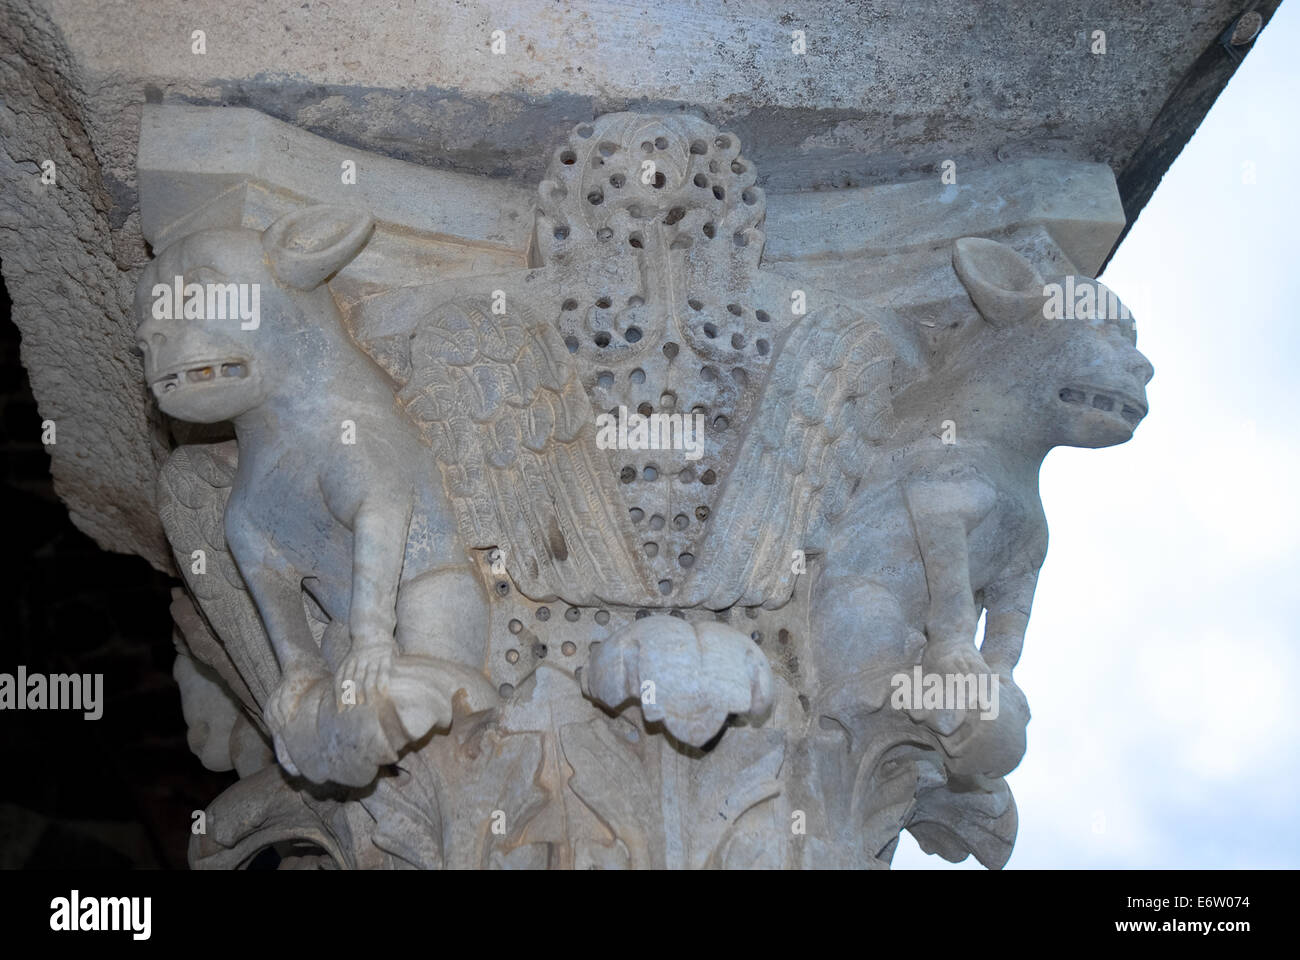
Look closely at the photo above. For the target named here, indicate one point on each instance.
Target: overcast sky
(1163, 655)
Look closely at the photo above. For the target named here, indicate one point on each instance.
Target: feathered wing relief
(514, 436)
(633, 679)
(819, 423)
(513, 433)
(192, 492)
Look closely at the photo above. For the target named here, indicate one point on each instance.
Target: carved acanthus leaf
(979, 820)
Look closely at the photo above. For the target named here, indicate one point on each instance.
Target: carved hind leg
(442, 622)
(864, 639)
(443, 614)
(442, 625)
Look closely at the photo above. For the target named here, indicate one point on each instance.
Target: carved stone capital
(643, 520)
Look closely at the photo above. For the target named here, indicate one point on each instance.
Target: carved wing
(820, 422)
(514, 434)
(192, 491)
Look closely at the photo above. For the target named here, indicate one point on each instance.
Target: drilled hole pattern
(526, 634)
(620, 201)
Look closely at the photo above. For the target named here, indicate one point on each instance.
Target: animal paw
(959, 668)
(947, 659)
(991, 746)
(343, 728)
(689, 676)
(362, 679)
(282, 710)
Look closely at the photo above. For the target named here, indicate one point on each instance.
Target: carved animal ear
(1004, 285)
(309, 245)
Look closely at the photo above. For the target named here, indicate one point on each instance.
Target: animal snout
(1141, 368)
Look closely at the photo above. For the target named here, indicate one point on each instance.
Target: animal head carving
(1055, 363)
(225, 311)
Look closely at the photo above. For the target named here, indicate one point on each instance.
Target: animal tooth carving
(352, 521)
(615, 557)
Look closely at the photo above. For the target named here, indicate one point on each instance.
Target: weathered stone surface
(427, 470)
(885, 93)
(70, 296)
(403, 498)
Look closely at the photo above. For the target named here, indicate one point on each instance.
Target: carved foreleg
(376, 687)
(943, 514)
(379, 546)
(994, 744)
(344, 727)
(437, 619)
(1008, 601)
